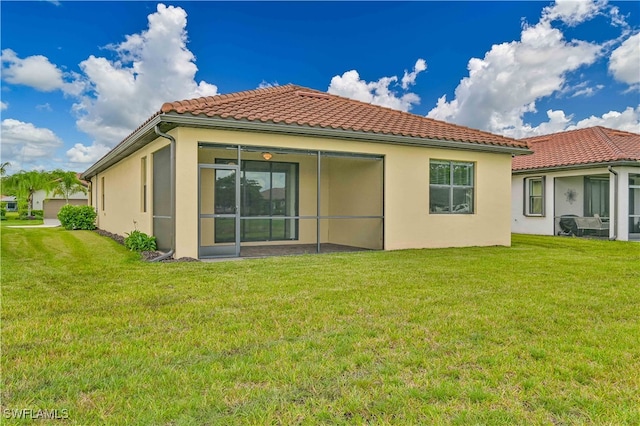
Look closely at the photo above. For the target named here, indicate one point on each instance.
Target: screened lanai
(258, 201)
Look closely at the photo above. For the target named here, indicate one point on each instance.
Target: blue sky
(77, 77)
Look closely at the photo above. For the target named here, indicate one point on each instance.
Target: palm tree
(24, 184)
(3, 168)
(66, 183)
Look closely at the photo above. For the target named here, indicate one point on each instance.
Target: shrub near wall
(35, 214)
(77, 217)
(139, 241)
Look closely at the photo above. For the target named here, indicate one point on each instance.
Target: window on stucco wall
(143, 184)
(102, 192)
(534, 196)
(451, 187)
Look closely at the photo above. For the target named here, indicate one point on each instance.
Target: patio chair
(591, 224)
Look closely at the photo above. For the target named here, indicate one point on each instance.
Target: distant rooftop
(593, 145)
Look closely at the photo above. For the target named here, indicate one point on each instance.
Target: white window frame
(528, 205)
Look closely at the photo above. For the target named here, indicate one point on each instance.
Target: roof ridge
(616, 151)
(618, 132)
(221, 98)
(619, 152)
(552, 135)
(582, 129)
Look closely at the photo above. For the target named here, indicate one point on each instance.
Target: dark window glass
(267, 190)
(451, 187)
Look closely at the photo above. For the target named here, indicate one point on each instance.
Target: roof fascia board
(576, 167)
(226, 124)
(121, 150)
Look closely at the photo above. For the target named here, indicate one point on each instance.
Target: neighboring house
(51, 204)
(592, 172)
(289, 165)
(11, 203)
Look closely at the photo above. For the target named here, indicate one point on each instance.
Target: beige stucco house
(292, 167)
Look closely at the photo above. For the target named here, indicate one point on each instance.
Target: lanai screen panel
(162, 198)
(353, 208)
(305, 197)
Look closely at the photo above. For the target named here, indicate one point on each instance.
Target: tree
(24, 184)
(66, 183)
(3, 168)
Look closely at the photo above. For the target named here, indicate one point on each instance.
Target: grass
(544, 333)
(12, 219)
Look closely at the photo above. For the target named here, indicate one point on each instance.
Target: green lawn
(546, 332)
(11, 219)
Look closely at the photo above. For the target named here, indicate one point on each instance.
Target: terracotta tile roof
(295, 105)
(593, 145)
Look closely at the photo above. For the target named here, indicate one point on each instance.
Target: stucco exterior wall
(116, 193)
(408, 223)
(521, 224)
(563, 187)
(345, 189)
(557, 187)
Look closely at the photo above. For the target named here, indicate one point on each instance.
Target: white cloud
(627, 120)
(587, 91)
(39, 73)
(558, 121)
(151, 68)
(583, 89)
(505, 85)
(350, 85)
(113, 97)
(409, 78)
(265, 84)
(33, 71)
(25, 143)
(573, 12)
(86, 154)
(3, 106)
(624, 63)
(44, 107)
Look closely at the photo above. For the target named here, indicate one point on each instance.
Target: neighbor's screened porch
(256, 201)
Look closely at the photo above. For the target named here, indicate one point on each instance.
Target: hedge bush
(35, 214)
(77, 217)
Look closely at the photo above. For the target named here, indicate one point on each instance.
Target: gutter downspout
(172, 198)
(615, 203)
